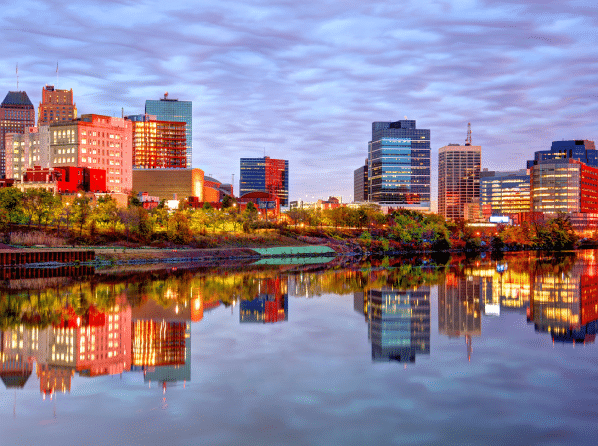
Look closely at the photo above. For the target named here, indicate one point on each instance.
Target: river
(387, 351)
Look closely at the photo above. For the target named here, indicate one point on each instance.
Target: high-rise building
(360, 183)
(97, 142)
(399, 165)
(505, 193)
(158, 144)
(16, 116)
(265, 175)
(56, 105)
(167, 109)
(580, 150)
(458, 179)
(564, 186)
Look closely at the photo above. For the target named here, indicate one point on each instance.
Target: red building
(268, 205)
(158, 144)
(68, 179)
(588, 183)
(56, 105)
(95, 142)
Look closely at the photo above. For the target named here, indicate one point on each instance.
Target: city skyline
(305, 82)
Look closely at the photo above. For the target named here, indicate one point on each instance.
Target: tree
(227, 202)
(11, 200)
(81, 210)
(249, 217)
(106, 212)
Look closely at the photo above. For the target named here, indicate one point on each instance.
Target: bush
(34, 238)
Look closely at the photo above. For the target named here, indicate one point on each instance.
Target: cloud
(304, 81)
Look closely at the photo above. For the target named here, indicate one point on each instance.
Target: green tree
(11, 200)
(81, 211)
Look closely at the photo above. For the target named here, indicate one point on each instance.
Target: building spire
(468, 139)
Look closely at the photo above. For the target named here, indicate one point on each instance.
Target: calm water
(390, 352)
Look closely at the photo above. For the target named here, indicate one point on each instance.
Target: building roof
(17, 98)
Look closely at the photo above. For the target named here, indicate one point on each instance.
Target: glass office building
(399, 165)
(580, 150)
(167, 109)
(265, 175)
(505, 193)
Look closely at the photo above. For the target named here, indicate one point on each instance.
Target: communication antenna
(17, 76)
(468, 139)
(57, 75)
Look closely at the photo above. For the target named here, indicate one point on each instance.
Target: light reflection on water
(467, 351)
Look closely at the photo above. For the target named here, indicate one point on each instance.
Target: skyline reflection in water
(55, 331)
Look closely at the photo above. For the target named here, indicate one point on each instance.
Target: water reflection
(270, 305)
(56, 327)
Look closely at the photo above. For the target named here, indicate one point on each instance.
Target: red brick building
(56, 105)
(68, 179)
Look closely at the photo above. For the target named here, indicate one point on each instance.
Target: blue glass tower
(580, 150)
(265, 175)
(399, 165)
(167, 109)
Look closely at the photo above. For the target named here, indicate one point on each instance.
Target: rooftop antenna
(17, 76)
(468, 139)
(57, 75)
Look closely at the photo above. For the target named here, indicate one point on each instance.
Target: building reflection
(398, 322)
(162, 337)
(564, 303)
(459, 307)
(270, 305)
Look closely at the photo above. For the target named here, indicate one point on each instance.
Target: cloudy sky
(303, 80)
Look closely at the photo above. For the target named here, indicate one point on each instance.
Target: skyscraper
(360, 183)
(458, 179)
(167, 109)
(399, 165)
(158, 144)
(56, 105)
(16, 115)
(580, 150)
(265, 175)
(565, 178)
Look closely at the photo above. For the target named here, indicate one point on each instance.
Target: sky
(303, 81)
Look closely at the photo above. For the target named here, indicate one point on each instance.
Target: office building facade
(580, 150)
(458, 179)
(505, 193)
(265, 175)
(56, 105)
(564, 186)
(360, 183)
(399, 165)
(26, 150)
(169, 184)
(158, 144)
(167, 109)
(16, 116)
(97, 142)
